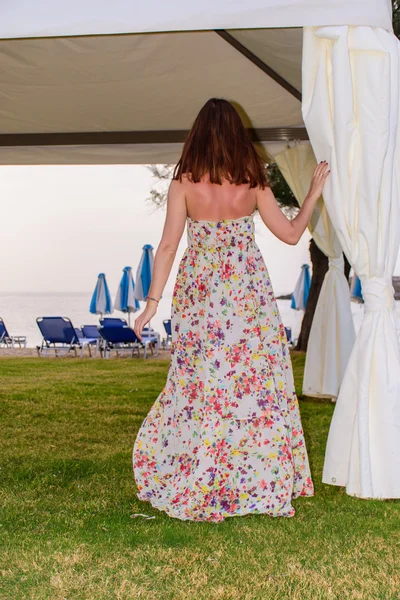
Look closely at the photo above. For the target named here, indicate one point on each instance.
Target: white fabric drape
(351, 108)
(332, 333)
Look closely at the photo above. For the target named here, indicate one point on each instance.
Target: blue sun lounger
(119, 338)
(87, 341)
(168, 330)
(113, 322)
(152, 338)
(91, 332)
(60, 336)
(124, 340)
(10, 341)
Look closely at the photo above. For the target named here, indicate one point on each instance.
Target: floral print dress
(224, 438)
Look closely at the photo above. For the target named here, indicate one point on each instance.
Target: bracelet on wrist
(151, 298)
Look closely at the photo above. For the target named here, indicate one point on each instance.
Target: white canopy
(93, 17)
(134, 88)
(116, 94)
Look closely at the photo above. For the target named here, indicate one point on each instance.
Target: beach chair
(292, 341)
(113, 322)
(86, 341)
(167, 341)
(151, 336)
(79, 332)
(61, 337)
(10, 341)
(123, 340)
(92, 332)
(58, 336)
(288, 331)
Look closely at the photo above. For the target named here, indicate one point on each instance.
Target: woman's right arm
(288, 231)
(173, 229)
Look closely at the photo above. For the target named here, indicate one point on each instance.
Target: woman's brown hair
(219, 145)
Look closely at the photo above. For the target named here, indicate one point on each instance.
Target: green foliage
(162, 175)
(68, 493)
(281, 190)
(396, 17)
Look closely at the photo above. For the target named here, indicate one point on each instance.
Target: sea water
(20, 310)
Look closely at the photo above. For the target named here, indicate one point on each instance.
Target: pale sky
(62, 225)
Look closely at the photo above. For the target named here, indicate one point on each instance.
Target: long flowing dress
(224, 438)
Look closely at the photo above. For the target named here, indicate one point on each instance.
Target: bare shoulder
(176, 184)
(177, 188)
(263, 195)
(176, 201)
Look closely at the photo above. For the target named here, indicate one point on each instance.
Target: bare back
(207, 201)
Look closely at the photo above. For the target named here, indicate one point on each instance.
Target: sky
(62, 225)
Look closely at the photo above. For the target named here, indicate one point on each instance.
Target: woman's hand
(145, 317)
(318, 180)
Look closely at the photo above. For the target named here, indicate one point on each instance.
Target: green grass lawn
(67, 493)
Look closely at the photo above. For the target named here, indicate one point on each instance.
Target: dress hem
(165, 508)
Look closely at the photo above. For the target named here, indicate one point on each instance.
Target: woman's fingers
(321, 172)
(321, 169)
(142, 321)
(138, 328)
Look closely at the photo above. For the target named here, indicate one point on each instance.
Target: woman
(224, 438)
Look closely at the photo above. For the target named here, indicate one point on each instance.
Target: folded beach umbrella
(101, 300)
(356, 289)
(125, 300)
(144, 273)
(302, 289)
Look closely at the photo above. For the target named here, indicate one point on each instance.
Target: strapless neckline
(246, 217)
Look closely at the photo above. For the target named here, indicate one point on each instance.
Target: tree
(396, 17)
(163, 175)
(319, 261)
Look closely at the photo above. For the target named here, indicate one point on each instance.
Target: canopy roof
(82, 83)
(40, 18)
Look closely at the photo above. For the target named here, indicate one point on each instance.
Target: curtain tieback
(337, 263)
(378, 293)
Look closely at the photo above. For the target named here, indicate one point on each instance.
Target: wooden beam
(96, 138)
(258, 62)
(278, 134)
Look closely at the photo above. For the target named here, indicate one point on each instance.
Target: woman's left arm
(166, 251)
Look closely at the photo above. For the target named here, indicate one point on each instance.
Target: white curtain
(332, 333)
(351, 109)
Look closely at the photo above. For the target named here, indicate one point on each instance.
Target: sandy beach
(32, 353)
